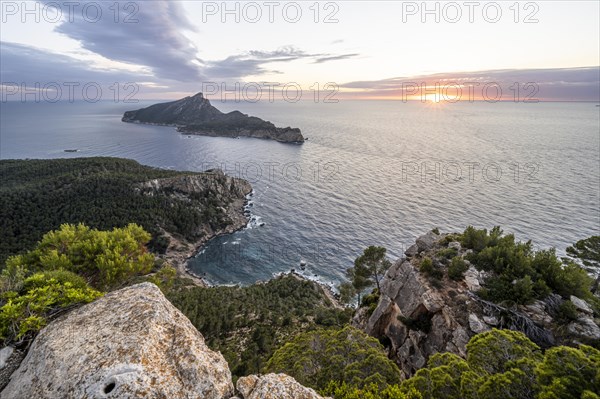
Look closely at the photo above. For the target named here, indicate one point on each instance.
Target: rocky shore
(232, 194)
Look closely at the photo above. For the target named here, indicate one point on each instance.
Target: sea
(370, 173)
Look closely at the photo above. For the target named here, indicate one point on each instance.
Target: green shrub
(429, 270)
(519, 273)
(105, 258)
(567, 312)
(279, 309)
(346, 355)
(457, 268)
(372, 391)
(164, 278)
(47, 292)
(478, 240)
(447, 253)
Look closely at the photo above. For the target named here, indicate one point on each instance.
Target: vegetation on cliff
(247, 324)
(69, 266)
(347, 356)
(37, 196)
(520, 274)
(500, 364)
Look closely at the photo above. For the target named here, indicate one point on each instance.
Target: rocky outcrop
(10, 359)
(195, 115)
(131, 343)
(417, 316)
(229, 192)
(273, 386)
(418, 320)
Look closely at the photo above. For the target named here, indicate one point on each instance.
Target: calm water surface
(371, 173)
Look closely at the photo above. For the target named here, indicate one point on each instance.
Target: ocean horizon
(372, 172)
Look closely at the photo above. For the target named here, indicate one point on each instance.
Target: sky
(462, 50)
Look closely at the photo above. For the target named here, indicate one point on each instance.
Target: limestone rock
(581, 305)
(10, 359)
(456, 245)
(476, 325)
(584, 327)
(412, 250)
(5, 354)
(537, 312)
(418, 316)
(273, 386)
(471, 278)
(131, 343)
(418, 319)
(426, 241)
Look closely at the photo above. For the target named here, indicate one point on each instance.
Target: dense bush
(428, 269)
(343, 355)
(457, 268)
(61, 271)
(106, 259)
(521, 274)
(26, 311)
(447, 253)
(500, 364)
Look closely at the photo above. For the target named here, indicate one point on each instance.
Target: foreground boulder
(273, 386)
(131, 343)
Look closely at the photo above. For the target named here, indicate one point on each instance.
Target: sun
(434, 98)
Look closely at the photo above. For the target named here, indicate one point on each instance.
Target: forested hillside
(37, 196)
(247, 324)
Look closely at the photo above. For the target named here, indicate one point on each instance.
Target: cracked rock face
(441, 324)
(273, 386)
(131, 343)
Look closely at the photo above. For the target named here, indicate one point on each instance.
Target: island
(195, 115)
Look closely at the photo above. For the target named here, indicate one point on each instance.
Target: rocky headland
(196, 115)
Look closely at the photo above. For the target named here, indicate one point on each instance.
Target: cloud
(553, 84)
(152, 36)
(335, 58)
(29, 65)
(253, 62)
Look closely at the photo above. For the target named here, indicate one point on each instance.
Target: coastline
(179, 252)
